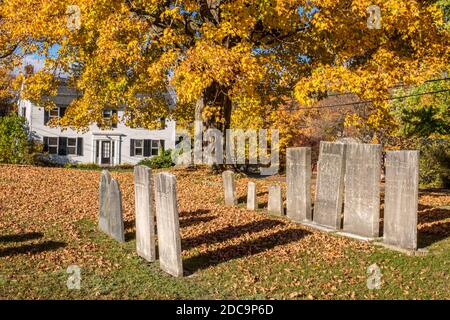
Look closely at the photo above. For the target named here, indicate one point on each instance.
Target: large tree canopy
(228, 61)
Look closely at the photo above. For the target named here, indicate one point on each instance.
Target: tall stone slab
(252, 203)
(116, 227)
(362, 190)
(275, 204)
(145, 217)
(330, 185)
(401, 199)
(229, 186)
(103, 216)
(298, 180)
(169, 241)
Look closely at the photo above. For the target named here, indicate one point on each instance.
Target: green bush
(82, 166)
(94, 166)
(435, 163)
(163, 160)
(15, 147)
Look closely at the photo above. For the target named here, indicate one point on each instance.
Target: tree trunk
(215, 95)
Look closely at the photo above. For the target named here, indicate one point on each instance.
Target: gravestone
(298, 180)
(116, 227)
(103, 216)
(252, 203)
(145, 217)
(330, 185)
(362, 190)
(275, 204)
(229, 186)
(169, 241)
(401, 199)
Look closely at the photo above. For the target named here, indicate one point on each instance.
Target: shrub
(94, 166)
(43, 160)
(163, 160)
(15, 147)
(82, 166)
(435, 163)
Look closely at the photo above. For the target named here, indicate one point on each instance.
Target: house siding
(122, 135)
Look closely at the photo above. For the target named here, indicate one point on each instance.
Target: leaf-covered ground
(48, 221)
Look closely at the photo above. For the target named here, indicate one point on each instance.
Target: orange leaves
(51, 215)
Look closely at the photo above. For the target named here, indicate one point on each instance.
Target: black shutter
(147, 148)
(46, 117)
(113, 115)
(62, 146)
(79, 146)
(131, 147)
(62, 111)
(45, 149)
(162, 147)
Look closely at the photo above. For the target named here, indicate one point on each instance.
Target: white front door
(107, 150)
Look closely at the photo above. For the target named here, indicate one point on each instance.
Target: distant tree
(424, 115)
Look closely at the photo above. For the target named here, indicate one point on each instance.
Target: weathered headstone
(229, 186)
(275, 204)
(362, 190)
(116, 227)
(401, 199)
(330, 185)
(169, 241)
(252, 203)
(298, 180)
(103, 216)
(145, 217)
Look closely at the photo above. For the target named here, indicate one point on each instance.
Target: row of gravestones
(167, 219)
(347, 192)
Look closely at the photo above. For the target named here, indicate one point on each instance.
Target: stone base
(317, 226)
(409, 252)
(357, 237)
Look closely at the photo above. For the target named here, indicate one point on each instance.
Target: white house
(120, 145)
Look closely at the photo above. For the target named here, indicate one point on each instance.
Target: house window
(145, 147)
(53, 145)
(24, 111)
(155, 148)
(53, 114)
(139, 147)
(72, 146)
(108, 117)
(63, 146)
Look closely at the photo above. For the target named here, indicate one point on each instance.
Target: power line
(393, 87)
(364, 101)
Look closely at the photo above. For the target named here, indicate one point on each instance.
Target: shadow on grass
(194, 220)
(243, 249)
(199, 212)
(21, 237)
(32, 248)
(130, 233)
(243, 199)
(229, 233)
(262, 205)
(433, 225)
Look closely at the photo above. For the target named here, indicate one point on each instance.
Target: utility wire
(364, 101)
(393, 87)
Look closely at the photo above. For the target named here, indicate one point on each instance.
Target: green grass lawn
(227, 253)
